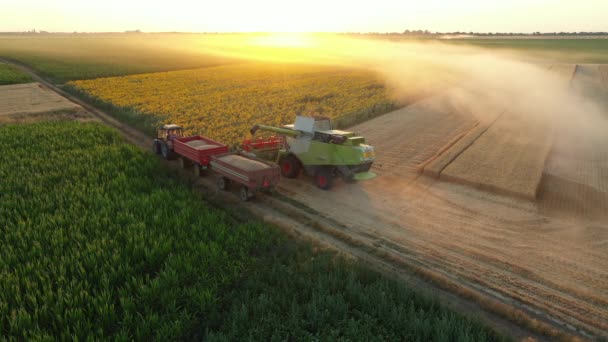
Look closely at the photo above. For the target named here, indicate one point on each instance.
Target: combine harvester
(311, 144)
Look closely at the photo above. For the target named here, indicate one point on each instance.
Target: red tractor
(163, 143)
(192, 150)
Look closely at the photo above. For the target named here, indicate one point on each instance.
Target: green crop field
(555, 50)
(64, 57)
(100, 240)
(10, 75)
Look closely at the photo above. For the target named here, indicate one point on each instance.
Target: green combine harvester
(311, 144)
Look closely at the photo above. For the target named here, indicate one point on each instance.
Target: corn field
(98, 240)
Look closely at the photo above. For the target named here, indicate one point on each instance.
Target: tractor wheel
(324, 178)
(165, 151)
(244, 194)
(198, 171)
(222, 183)
(290, 167)
(155, 147)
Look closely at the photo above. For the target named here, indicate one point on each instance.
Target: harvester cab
(312, 144)
(163, 143)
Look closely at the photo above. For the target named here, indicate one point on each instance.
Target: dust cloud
(482, 82)
(540, 96)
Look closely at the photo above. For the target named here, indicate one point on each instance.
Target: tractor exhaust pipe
(254, 129)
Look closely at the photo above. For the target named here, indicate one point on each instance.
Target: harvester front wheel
(155, 147)
(324, 178)
(290, 167)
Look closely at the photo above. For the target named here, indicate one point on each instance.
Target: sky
(304, 15)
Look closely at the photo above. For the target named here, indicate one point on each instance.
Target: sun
(284, 40)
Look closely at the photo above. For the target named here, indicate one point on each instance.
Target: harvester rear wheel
(324, 178)
(290, 167)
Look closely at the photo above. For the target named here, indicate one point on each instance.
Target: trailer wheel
(290, 167)
(244, 194)
(155, 147)
(184, 162)
(198, 171)
(222, 183)
(324, 178)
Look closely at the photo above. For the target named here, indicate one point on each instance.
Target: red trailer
(197, 150)
(252, 174)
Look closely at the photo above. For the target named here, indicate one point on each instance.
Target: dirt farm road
(491, 250)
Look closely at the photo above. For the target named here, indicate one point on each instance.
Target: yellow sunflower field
(225, 102)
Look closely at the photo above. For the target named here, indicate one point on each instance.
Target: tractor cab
(170, 132)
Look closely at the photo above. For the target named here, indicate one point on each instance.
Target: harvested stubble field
(415, 133)
(604, 76)
(509, 157)
(224, 102)
(31, 98)
(433, 166)
(505, 153)
(547, 257)
(565, 72)
(126, 250)
(576, 173)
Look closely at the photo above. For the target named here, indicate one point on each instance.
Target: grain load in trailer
(250, 174)
(192, 151)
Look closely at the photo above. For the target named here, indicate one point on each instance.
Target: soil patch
(31, 98)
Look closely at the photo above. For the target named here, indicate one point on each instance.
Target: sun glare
(287, 40)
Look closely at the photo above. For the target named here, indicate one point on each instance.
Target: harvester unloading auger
(311, 144)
